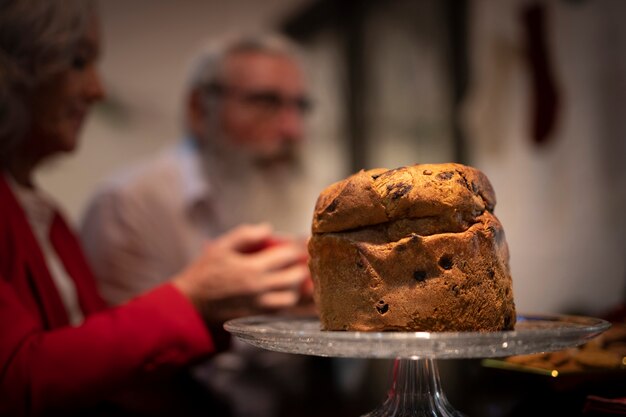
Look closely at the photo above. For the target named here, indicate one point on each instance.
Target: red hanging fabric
(545, 95)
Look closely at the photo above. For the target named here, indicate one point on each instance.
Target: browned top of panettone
(452, 194)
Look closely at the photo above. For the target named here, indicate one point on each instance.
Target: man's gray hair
(37, 41)
(206, 68)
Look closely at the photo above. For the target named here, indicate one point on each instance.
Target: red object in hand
(306, 287)
(268, 243)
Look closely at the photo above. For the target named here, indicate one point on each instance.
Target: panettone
(416, 248)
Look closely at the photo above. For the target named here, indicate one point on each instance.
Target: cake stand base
(415, 392)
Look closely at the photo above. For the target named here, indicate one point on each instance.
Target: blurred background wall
(532, 93)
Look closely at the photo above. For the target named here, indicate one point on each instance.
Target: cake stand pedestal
(416, 390)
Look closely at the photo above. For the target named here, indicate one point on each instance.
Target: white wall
(562, 205)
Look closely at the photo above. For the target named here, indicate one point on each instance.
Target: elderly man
(239, 162)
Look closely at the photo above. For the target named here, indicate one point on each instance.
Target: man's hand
(245, 271)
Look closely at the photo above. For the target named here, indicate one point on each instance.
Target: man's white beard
(250, 190)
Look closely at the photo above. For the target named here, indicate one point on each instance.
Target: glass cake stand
(416, 390)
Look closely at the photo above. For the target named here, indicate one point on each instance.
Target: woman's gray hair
(37, 41)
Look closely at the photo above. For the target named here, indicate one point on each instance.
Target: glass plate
(303, 335)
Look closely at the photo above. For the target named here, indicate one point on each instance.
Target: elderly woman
(61, 349)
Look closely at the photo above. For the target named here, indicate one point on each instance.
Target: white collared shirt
(146, 224)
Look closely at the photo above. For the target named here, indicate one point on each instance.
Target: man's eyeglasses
(267, 101)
